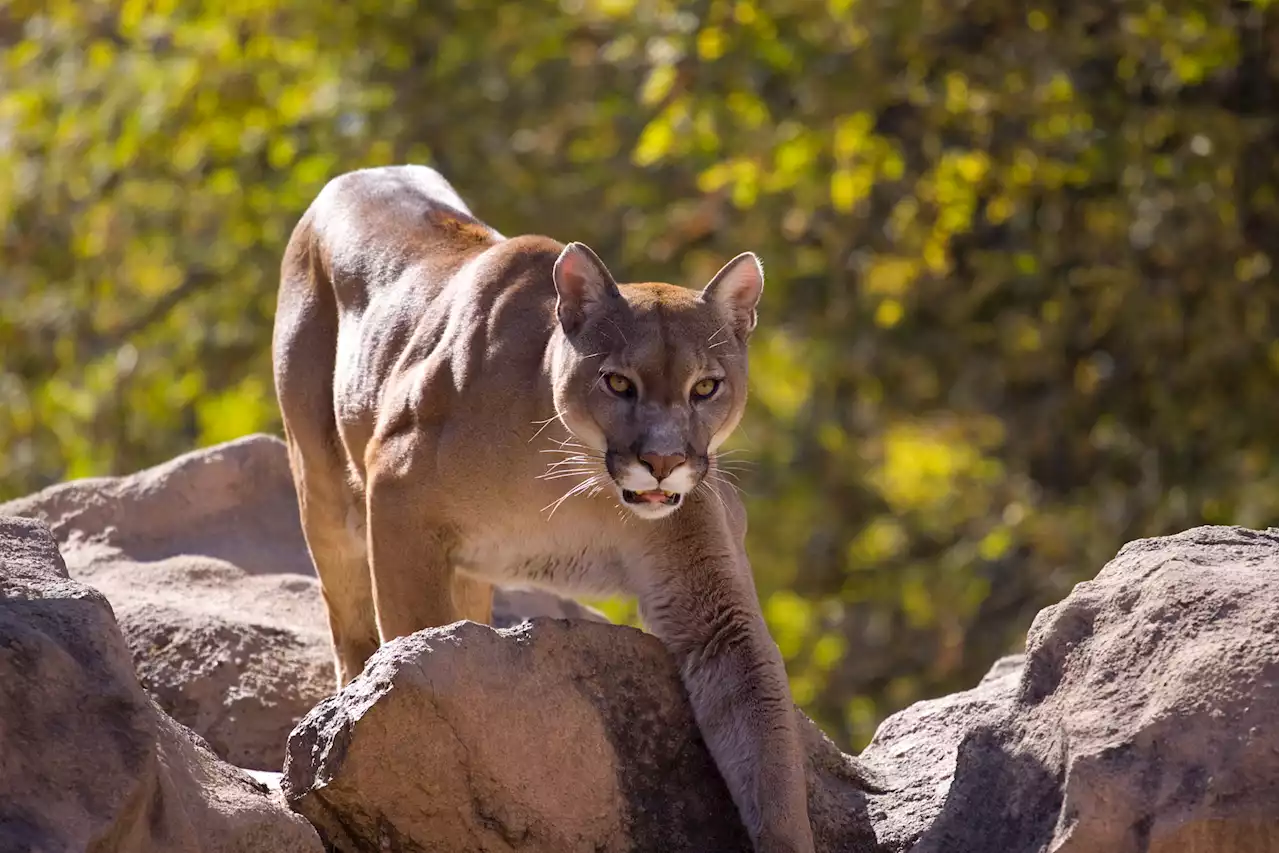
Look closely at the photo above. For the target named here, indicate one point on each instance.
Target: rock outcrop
(203, 561)
(1143, 717)
(87, 761)
(553, 736)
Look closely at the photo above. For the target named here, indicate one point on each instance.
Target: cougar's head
(653, 378)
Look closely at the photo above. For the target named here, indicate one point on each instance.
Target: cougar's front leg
(698, 597)
(409, 550)
(473, 598)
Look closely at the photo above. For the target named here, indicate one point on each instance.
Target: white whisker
(713, 491)
(733, 486)
(585, 485)
(570, 460)
(577, 457)
(591, 454)
(545, 424)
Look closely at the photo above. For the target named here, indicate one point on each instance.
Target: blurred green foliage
(1021, 258)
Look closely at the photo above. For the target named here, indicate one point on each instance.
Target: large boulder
(1143, 717)
(203, 560)
(87, 761)
(555, 735)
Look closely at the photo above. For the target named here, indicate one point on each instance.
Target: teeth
(668, 497)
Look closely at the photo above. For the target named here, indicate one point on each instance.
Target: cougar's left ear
(736, 290)
(584, 286)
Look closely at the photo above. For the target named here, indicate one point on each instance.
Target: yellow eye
(705, 388)
(618, 384)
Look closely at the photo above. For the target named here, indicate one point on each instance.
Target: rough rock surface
(87, 761)
(1143, 717)
(203, 561)
(590, 746)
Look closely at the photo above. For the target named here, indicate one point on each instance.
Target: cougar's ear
(583, 286)
(735, 291)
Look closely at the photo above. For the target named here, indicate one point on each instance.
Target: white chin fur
(680, 480)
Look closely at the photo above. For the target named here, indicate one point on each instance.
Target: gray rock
(1143, 719)
(88, 761)
(203, 559)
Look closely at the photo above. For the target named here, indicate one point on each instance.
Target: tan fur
(424, 364)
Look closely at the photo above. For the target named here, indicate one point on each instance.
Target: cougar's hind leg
(333, 523)
(304, 352)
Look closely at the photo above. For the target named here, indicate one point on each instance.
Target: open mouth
(655, 497)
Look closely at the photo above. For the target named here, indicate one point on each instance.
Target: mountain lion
(464, 409)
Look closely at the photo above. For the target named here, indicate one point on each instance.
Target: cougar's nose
(661, 465)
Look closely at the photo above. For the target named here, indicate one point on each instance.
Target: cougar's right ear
(583, 286)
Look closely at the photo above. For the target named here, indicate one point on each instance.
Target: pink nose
(662, 465)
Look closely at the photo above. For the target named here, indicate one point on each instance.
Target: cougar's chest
(572, 561)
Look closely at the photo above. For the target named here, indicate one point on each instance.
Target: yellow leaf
(748, 107)
(789, 617)
(655, 142)
(850, 136)
(890, 276)
(995, 544)
(780, 377)
(973, 166)
(882, 539)
(888, 313)
(615, 8)
(656, 86)
(714, 177)
(844, 190)
(281, 152)
(999, 209)
(711, 44)
(828, 651)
